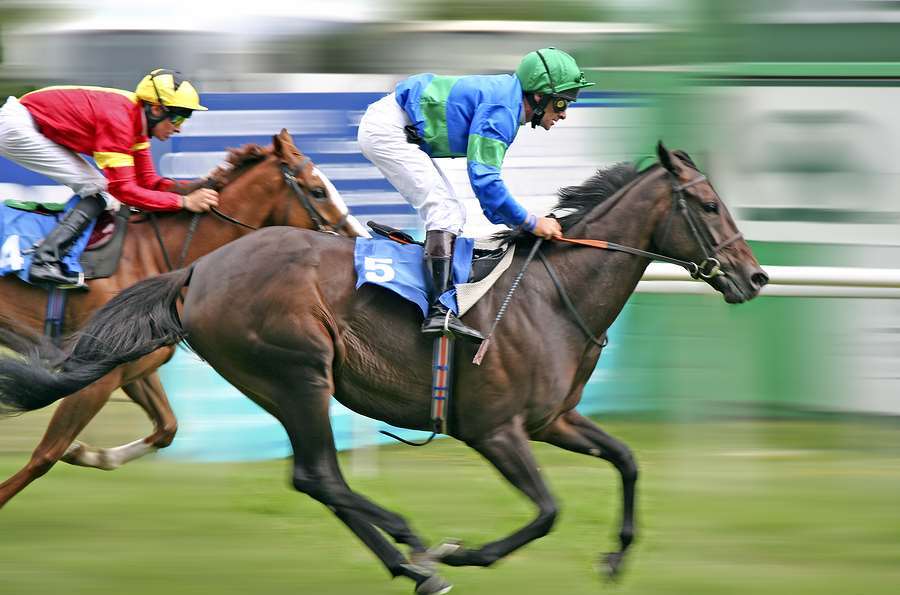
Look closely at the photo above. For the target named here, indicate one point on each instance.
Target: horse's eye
(319, 193)
(711, 207)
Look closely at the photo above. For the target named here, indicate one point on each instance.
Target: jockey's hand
(547, 228)
(201, 200)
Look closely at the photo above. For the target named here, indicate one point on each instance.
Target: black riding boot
(439, 262)
(45, 262)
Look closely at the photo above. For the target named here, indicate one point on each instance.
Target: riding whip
(479, 355)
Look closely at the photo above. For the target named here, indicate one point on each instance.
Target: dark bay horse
(254, 191)
(277, 314)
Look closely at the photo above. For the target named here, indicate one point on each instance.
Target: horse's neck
(601, 281)
(184, 237)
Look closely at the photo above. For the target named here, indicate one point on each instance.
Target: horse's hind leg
(147, 392)
(316, 473)
(72, 415)
(572, 431)
(508, 450)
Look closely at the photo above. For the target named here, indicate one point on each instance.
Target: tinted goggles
(560, 104)
(177, 115)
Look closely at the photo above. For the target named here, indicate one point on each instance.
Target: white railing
(840, 282)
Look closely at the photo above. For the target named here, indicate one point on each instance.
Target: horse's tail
(136, 322)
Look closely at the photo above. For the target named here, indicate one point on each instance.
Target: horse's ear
(665, 159)
(283, 142)
(277, 144)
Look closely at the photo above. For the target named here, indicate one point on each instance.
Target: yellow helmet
(167, 88)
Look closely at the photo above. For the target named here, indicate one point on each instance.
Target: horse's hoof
(611, 564)
(433, 585)
(447, 548)
(437, 553)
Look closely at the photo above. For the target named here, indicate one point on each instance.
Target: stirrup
(57, 278)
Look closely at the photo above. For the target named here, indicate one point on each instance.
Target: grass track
(765, 507)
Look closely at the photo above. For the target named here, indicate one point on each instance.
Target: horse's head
(697, 227)
(282, 186)
(317, 194)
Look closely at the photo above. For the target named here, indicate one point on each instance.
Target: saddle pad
(468, 294)
(20, 230)
(399, 267)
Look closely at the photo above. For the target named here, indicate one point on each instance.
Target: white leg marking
(106, 458)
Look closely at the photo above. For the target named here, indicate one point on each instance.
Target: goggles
(177, 115)
(560, 104)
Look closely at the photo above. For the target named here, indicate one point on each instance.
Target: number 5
(379, 270)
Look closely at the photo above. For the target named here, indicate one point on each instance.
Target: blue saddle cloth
(399, 267)
(20, 230)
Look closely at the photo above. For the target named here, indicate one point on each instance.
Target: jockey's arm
(492, 129)
(123, 184)
(148, 178)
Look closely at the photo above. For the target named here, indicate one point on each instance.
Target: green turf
(764, 507)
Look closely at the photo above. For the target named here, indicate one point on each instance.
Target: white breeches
(409, 169)
(22, 143)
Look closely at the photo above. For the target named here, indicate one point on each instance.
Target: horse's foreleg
(71, 416)
(572, 431)
(508, 450)
(147, 392)
(317, 474)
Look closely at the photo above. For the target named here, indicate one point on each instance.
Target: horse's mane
(237, 161)
(576, 201)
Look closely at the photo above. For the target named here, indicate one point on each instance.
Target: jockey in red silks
(476, 117)
(45, 130)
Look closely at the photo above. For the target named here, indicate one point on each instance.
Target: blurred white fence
(838, 282)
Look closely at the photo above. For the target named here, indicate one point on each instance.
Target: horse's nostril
(759, 279)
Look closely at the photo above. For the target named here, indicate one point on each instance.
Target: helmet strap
(538, 108)
(152, 120)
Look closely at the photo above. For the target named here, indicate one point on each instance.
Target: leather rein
(290, 179)
(708, 268)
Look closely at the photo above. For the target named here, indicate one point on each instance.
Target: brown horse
(254, 191)
(277, 315)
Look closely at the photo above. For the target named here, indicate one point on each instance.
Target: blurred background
(790, 106)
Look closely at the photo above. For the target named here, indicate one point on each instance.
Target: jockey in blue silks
(476, 117)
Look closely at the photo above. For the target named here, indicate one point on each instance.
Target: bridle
(289, 175)
(322, 224)
(708, 268)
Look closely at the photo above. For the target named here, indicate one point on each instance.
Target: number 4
(10, 256)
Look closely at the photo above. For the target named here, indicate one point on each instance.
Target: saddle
(490, 259)
(99, 255)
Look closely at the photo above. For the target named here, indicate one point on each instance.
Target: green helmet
(551, 71)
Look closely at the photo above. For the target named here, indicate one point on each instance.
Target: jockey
(476, 117)
(46, 129)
